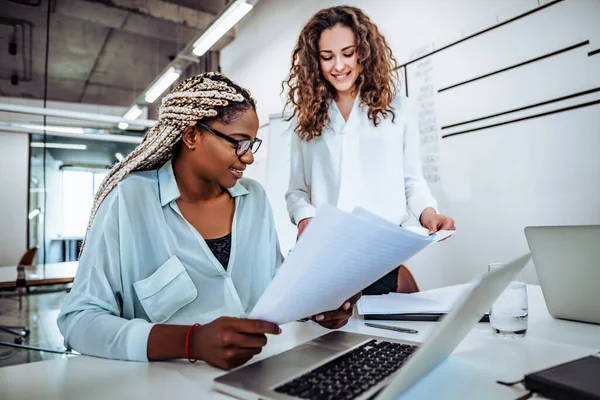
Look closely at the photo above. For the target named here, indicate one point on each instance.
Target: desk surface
(470, 372)
(37, 275)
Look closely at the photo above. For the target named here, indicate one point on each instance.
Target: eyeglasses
(241, 146)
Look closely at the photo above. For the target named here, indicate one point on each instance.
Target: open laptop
(567, 263)
(343, 365)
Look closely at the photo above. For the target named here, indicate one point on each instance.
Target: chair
(27, 258)
(399, 280)
(21, 332)
(406, 282)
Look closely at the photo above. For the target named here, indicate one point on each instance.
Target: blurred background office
(507, 94)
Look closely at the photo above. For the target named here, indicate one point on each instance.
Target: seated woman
(180, 247)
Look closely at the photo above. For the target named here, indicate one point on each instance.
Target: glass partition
(64, 178)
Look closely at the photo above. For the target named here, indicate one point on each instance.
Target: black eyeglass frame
(238, 143)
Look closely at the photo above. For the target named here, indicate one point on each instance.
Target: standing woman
(356, 141)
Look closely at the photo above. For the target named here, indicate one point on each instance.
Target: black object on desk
(577, 379)
(574, 380)
(413, 317)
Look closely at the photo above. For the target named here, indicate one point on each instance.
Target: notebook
(429, 305)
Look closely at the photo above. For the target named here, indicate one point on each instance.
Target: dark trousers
(387, 284)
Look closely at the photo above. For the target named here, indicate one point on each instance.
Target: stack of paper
(436, 301)
(337, 256)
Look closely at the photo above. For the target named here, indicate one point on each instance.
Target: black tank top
(221, 248)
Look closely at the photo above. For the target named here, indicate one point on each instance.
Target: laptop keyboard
(351, 374)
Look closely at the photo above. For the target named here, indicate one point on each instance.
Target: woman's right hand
(302, 225)
(230, 342)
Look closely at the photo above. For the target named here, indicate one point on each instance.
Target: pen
(392, 328)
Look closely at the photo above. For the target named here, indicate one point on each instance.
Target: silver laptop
(567, 263)
(342, 365)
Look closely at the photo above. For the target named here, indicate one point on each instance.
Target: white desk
(469, 373)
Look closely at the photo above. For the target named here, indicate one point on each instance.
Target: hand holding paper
(435, 222)
(337, 256)
(337, 318)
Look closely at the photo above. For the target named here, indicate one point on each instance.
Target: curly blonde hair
(208, 95)
(309, 93)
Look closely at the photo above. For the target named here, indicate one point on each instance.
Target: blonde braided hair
(193, 99)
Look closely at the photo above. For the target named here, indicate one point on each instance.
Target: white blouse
(353, 163)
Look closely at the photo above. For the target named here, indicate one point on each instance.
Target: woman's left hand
(337, 318)
(436, 222)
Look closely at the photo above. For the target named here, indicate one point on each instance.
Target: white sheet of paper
(436, 237)
(337, 256)
(419, 230)
(438, 300)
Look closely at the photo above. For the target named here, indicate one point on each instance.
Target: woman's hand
(230, 342)
(302, 225)
(436, 222)
(337, 318)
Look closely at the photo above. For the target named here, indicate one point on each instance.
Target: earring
(191, 147)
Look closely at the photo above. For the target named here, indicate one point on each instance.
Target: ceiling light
(85, 116)
(34, 213)
(162, 84)
(66, 146)
(49, 128)
(119, 157)
(133, 113)
(224, 23)
(123, 125)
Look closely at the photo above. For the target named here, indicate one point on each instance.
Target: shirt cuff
(137, 340)
(303, 212)
(417, 206)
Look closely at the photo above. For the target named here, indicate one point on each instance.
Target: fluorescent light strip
(221, 26)
(162, 84)
(66, 146)
(53, 112)
(65, 129)
(34, 213)
(133, 113)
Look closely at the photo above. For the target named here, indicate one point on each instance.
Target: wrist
(429, 211)
(303, 221)
(191, 352)
(166, 342)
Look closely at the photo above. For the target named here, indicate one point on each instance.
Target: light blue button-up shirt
(143, 263)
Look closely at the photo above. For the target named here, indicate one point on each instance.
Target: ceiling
(100, 51)
(208, 6)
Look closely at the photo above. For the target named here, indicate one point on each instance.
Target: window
(79, 189)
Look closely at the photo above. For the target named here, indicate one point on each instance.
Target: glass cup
(509, 313)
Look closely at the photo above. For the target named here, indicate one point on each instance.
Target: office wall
(13, 197)
(494, 180)
(260, 56)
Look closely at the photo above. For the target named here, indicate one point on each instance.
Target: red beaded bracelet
(187, 343)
